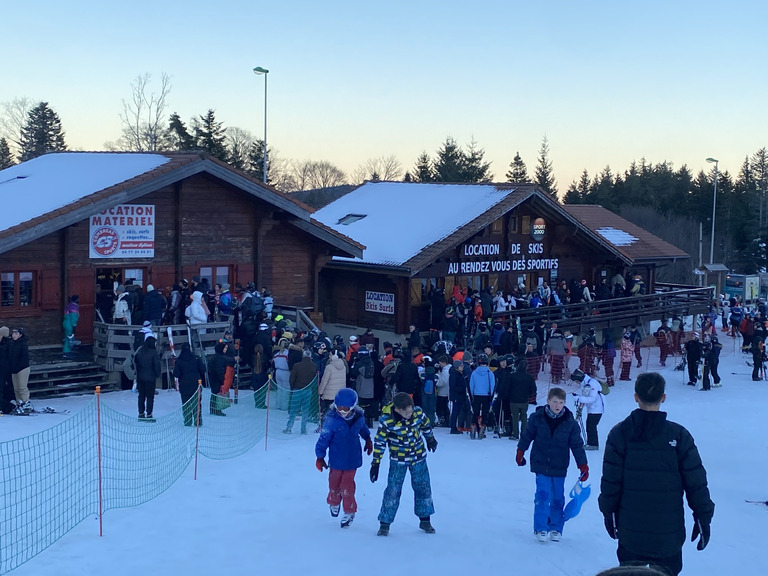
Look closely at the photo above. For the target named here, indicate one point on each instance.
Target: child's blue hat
(346, 397)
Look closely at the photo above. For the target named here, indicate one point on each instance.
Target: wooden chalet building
(72, 220)
(477, 235)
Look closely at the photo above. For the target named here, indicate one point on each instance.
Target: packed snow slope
(265, 512)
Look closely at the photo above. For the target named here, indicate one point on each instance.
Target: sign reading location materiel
(124, 231)
(380, 302)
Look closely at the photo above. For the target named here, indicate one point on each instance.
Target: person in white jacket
(590, 397)
(195, 312)
(443, 373)
(334, 379)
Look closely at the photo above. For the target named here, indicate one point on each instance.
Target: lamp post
(714, 204)
(259, 71)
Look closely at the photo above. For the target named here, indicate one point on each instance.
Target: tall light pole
(259, 71)
(714, 204)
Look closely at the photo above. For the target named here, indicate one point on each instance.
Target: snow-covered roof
(400, 219)
(57, 190)
(53, 181)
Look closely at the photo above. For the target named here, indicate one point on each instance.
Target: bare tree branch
(143, 116)
(13, 117)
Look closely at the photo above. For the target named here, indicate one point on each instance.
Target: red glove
(368, 447)
(584, 469)
(520, 458)
(320, 464)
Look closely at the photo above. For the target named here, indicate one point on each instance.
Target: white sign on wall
(380, 302)
(124, 231)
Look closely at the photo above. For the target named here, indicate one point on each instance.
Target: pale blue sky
(607, 82)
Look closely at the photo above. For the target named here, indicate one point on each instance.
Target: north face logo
(673, 443)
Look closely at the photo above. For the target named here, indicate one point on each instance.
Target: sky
(253, 513)
(606, 82)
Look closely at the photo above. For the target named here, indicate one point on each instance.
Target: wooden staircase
(51, 376)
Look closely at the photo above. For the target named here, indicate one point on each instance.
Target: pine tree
(759, 162)
(423, 172)
(450, 165)
(179, 137)
(210, 136)
(407, 177)
(6, 158)
(544, 177)
(42, 133)
(255, 164)
(518, 171)
(475, 170)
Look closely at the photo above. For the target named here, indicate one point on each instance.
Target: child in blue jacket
(343, 424)
(554, 433)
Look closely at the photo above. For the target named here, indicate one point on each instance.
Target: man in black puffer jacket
(147, 372)
(407, 379)
(649, 463)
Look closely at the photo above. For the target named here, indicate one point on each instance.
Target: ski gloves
(374, 471)
(520, 458)
(320, 464)
(431, 444)
(368, 447)
(610, 527)
(584, 469)
(700, 528)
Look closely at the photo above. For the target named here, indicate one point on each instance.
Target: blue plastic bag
(579, 494)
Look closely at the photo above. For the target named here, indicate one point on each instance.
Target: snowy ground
(253, 512)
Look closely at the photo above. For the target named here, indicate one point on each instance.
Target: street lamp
(259, 71)
(714, 203)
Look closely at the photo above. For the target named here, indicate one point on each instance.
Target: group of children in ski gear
(630, 502)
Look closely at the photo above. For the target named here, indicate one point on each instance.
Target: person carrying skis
(481, 387)
(649, 463)
(590, 396)
(693, 354)
(402, 427)
(343, 425)
(553, 432)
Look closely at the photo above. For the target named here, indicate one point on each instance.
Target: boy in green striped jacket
(402, 426)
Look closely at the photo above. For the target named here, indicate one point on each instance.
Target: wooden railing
(113, 343)
(617, 312)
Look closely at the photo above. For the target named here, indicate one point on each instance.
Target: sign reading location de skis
(124, 231)
(381, 302)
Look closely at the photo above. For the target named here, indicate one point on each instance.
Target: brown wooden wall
(200, 221)
(342, 299)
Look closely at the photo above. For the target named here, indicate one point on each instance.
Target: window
(496, 226)
(513, 223)
(17, 289)
(349, 218)
(136, 275)
(525, 225)
(215, 274)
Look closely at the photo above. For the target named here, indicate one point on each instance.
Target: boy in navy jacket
(343, 424)
(554, 433)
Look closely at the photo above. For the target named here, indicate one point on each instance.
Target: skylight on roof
(349, 218)
(616, 237)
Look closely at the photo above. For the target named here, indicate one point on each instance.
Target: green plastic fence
(50, 481)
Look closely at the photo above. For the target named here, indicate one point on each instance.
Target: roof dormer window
(349, 218)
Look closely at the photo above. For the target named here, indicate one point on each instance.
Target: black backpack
(367, 369)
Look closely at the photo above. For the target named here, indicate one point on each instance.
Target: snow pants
(608, 365)
(556, 368)
(20, 380)
(693, 370)
(592, 421)
(548, 503)
(146, 389)
(458, 406)
(443, 413)
(671, 565)
(422, 490)
(341, 488)
(519, 413)
(429, 406)
(625, 366)
(480, 405)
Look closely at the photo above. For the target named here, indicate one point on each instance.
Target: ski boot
(473, 433)
(335, 510)
(383, 530)
(426, 525)
(481, 434)
(346, 520)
